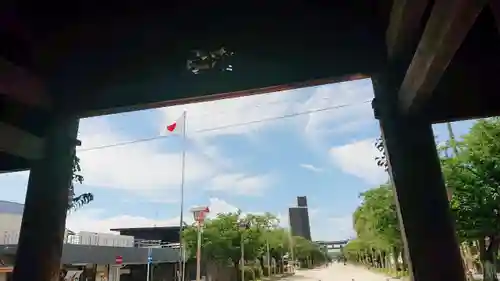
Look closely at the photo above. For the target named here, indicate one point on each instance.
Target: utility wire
(222, 113)
(226, 126)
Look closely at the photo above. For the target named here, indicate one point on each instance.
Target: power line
(227, 126)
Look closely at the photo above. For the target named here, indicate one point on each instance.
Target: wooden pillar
(44, 217)
(495, 8)
(426, 223)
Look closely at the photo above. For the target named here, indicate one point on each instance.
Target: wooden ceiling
(90, 60)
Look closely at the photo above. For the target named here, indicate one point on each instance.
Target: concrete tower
(299, 219)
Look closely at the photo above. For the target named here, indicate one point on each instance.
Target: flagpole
(182, 266)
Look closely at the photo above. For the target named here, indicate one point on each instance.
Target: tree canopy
(223, 235)
(471, 169)
(76, 201)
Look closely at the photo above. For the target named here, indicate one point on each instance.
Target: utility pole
(268, 258)
(243, 226)
(150, 259)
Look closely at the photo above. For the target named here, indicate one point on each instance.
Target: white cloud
(95, 220)
(219, 206)
(358, 159)
(355, 94)
(148, 170)
(229, 112)
(311, 168)
(241, 184)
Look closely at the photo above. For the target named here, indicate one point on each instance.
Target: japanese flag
(176, 127)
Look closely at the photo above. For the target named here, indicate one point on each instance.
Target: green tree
(308, 253)
(279, 245)
(473, 174)
(268, 233)
(222, 238)
(376, 224)
(77, 201)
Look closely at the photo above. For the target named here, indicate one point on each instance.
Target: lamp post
(268, 257)
(199, 214)
(243, 226)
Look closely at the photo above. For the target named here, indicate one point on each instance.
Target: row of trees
(223, 236)
(471, 169)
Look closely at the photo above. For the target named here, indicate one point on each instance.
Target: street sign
(199, 214)
(119, 260)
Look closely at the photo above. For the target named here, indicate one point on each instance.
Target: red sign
(119, 259)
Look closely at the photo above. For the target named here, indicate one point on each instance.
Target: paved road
(338, 272)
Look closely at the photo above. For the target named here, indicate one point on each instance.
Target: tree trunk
(237, 270)
(403, 258)
(488, 256)
(395, 256)
(263, 267)
(383, 258)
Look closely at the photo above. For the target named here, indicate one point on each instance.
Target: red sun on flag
(176, 127)
(171, 127)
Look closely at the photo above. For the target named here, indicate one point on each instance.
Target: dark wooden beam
(20, 143)
(10, 163)
(19, 84)
(22, 128)
(102, 72)
(495, 8)
(403, 30)
(449, 23)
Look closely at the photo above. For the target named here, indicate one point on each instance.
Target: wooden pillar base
(426, 222)
(42, 230)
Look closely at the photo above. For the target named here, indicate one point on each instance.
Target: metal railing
(95, 239)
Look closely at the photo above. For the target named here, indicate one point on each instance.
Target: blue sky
(254, 166)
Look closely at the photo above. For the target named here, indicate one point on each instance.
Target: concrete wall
(10, 222)
(79, 254)
(107, 255)
(159, 272)
(10, 226)
(103, 239)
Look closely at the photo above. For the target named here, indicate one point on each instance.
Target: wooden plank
(100, 71)
(20, 143)
(402, 32)
(447, 27)
(19, 84)
(118, 108)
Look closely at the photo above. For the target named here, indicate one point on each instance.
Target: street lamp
(268, 256)
(199, 214)
(243, 225)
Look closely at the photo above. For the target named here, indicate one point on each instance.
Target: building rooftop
(152, 228)
(164, 234)
(8, 207)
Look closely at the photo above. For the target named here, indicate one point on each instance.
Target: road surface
(338, 272)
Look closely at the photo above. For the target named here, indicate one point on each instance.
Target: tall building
(302, 201)
(299, 219)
